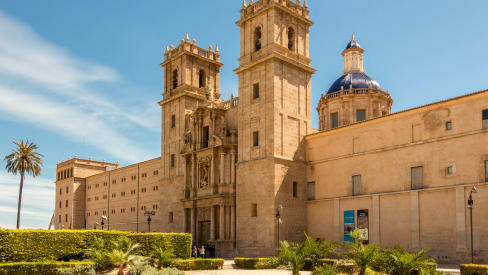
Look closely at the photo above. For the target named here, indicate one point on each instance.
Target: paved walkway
(231, 269)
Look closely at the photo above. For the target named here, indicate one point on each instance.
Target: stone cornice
(278, 6)
(275, 55)
(400, 192)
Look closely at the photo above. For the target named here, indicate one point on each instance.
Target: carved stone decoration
(204, 173)
(210, 94)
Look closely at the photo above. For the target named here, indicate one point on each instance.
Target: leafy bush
(28, 268)
(315, 250)
(293, 254)
(162, 258)
(362, 255)
(257, 263)
(199, 264)
(41, 245)
(399, 261)
(121, 256)
(77, 270)
(326, 269)
(474, 269)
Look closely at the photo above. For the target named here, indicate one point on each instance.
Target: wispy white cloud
(42, 83)
(37, 201)
(24, 55)
(70, 121)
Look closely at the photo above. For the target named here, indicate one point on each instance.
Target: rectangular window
(60, 204)
(485, 119)
(66, 203)
(295, 189)
(67, 189)
(173, 121)
(254, 210)
(60, 191)
(206, 136)
(357, 185)
(172, 160)
(449, 170)
(448, 126)
(486, 170)
(360, 115)
(255, 139)
(170, 217)
(255, 90)
(417, 174)
(59, 220)
(311, 191)
(66, 218)
(334, 119)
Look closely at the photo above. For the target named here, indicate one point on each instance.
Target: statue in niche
(204, 175)
(210, 94)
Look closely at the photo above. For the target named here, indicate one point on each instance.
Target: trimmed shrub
(43, 268)
(256, 263)
(41, 245)
(474, 269)
(199, 264)
(323, 262)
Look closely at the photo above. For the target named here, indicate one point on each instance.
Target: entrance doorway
(203, 232)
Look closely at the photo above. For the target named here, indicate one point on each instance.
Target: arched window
(175, 78)
(291, 39)
(257, 39)
(201, 79)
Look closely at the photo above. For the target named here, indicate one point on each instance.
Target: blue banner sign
(349, 225)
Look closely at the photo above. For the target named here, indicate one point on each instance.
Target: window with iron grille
(357, 185)
(311, 191)
(255, 90)
(334, 119)
(360, 115)
(417, 175)
(255, 139)
(295, 189)
(485, 119)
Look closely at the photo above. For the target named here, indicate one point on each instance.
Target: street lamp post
(278, 219)
(470, 206)
(103, 221)
(149, 214)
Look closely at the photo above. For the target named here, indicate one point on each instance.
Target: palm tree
(162, 258)
(292, 254)
(362, 255)
(24, 160)
(122, 254)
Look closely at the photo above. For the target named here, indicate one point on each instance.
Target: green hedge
(256, 263)
(44, 268)
(63, 245)
(472, 269)
(199, 264)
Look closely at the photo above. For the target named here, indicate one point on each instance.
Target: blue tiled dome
(358, 81)
(353, 44)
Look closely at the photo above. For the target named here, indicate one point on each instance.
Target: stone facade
(228, 168)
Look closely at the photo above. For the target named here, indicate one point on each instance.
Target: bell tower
(274, 115)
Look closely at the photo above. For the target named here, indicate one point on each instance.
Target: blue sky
(83, 77)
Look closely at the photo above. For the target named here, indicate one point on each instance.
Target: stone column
(461, 239)
(232, 167)
(232, 223)
(227, 172)
(212, 223)
(376, 219)
(192, 223)
(212, 178)
(222, 166)
(337, 218)
(222, 223)
(414, 220)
